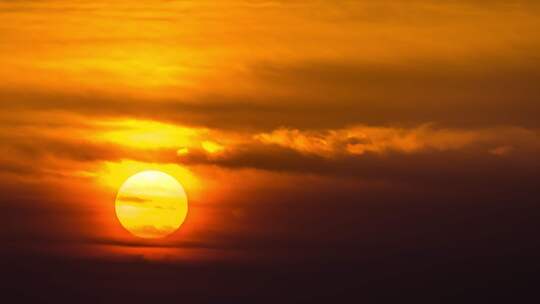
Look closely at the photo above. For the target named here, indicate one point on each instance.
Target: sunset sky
(306, 133)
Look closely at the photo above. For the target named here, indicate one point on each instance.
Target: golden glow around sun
(151, 204)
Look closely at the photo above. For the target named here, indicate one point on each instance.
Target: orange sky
(289, 123)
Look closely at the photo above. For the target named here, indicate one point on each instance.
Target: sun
(151, 204)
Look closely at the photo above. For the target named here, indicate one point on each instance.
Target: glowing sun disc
(151, 204)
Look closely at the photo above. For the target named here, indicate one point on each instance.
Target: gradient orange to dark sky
(328, 149)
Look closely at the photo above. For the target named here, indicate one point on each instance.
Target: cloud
(394, 65)
(364, 139)
(372, 152)
(476, 101)
(468, 95)
(424, 154)
(133, 199)
(151, 231)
